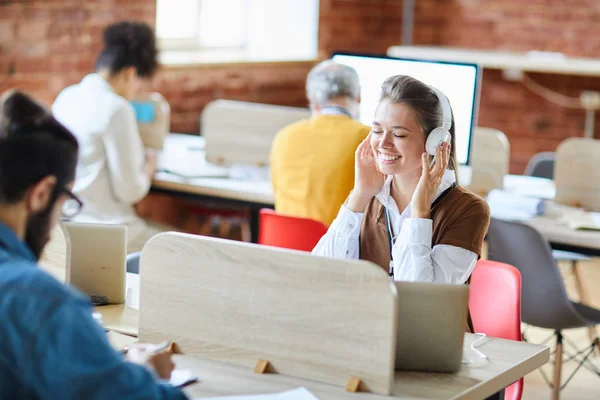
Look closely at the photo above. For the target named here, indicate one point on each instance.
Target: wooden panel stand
(299, 312)
(261, 366)
(353, 385)
(174, 348)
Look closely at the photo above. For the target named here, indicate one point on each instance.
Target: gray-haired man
(312, 161)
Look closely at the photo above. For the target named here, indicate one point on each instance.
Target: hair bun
(127, 36)
(17, 109)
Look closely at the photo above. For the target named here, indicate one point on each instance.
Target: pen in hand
(153, 349)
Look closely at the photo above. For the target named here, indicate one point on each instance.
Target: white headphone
(440, 134)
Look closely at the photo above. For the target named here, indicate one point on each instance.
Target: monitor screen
(460, 82)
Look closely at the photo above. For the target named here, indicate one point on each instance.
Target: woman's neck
(114, 81)
(403, 187)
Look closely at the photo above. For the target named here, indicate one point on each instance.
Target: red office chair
(289, 232)
(495, 304)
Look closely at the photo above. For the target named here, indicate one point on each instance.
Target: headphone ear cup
(435, 138)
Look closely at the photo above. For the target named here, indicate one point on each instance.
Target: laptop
(431, 326)
(98, 259)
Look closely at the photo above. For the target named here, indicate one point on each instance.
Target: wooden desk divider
(271, 310)
(239, 132)
(576, 173)
(490, 158)
(56, 257)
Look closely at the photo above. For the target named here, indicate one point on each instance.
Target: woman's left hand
(431, 178)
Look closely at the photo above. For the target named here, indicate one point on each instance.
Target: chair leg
(245, 229)
(584, 298)
(224, 228)
(558, 359)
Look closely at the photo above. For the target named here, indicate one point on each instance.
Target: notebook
(582, 220)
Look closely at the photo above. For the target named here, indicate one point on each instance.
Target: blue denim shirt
(50, 345)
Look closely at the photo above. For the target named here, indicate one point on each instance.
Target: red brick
(54, 43)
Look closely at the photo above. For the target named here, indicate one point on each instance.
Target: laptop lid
(98, 259)
(431, 326)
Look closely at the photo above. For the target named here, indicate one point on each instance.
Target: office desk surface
(185, 154)
(564, 238)
(260, 191)
(508, 362)
(123, 318)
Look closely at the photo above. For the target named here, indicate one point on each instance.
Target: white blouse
(414, 259)
(110, 177)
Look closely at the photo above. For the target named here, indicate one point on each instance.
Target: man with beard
(50, 345)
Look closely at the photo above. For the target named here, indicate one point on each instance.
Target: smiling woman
(407, 213)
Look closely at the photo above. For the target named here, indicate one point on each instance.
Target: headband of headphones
(447, 113)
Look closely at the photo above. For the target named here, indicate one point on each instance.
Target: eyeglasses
(72, 206)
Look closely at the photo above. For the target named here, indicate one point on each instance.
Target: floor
(584, 385)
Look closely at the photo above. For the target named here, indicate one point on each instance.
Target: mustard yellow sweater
(312, 165)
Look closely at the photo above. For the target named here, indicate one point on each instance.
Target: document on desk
(582, 220)
(296, 394)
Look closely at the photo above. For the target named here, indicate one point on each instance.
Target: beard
(37, 232)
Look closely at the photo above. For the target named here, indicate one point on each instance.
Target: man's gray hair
(328, 80)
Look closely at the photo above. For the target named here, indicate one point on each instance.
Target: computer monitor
(460, 82)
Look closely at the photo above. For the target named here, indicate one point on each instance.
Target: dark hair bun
(17, 109)
(129, 44)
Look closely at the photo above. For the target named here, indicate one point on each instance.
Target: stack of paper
(512, 206)
(297, 394)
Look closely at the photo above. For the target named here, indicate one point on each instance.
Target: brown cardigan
(460, 218)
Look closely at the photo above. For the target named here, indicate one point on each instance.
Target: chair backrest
(541, 165)
(289, 232)
(495, 300)
(576, 173)
(239, 132)
(490, 160)
(56, 257)
(495, 305)
(544, 300)
(153, 115)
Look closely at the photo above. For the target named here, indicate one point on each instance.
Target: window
(237, 30)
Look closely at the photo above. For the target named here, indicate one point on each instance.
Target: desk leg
(254, 214)
(497, 396)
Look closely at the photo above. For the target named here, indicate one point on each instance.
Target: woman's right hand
(368, 180)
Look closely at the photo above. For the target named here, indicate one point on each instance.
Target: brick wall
(531, 123)
(46, 45)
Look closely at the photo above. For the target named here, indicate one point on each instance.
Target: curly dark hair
(129, 44)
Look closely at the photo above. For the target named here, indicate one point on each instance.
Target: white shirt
(109, 177)
(413, 257)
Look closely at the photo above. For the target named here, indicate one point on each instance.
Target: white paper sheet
(296, 394)
(181, 377)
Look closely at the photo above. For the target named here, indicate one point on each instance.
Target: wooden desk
(561, 237)
(123, 318)
(184, 155)
(508, 362)
(256, 194)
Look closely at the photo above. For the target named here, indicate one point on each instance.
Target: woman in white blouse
(407, 212)
(114, 170)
